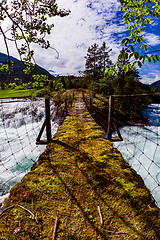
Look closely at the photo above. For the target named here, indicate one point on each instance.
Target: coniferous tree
(91, 71)
(97, 60)
(104, 59)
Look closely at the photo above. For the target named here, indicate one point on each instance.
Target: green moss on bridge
(79, 177)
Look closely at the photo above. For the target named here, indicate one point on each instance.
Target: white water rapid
(141, 149)
(20, 123)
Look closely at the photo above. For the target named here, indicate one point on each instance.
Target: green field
(13, 93)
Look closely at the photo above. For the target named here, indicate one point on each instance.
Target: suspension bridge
(80, 188)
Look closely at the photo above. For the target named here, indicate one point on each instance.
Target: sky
(90, 21)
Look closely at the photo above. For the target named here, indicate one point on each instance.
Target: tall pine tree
(104, 61)
(97, 60)
(91, 71)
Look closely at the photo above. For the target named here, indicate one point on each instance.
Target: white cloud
(150, 77)
(152, 39)
(88, 22)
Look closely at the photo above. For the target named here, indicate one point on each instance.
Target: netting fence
(20, 124)
(138, 137)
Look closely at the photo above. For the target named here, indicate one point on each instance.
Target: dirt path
(80, 106)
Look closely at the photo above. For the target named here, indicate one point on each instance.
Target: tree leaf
(136, 55)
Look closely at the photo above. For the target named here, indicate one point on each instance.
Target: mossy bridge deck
(80, 188)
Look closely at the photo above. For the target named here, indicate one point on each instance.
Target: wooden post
(83, 96)
(110, 113)
(66, 106)
(72, 99)
(90, 103)
(38, 140)
(48, 123)
(118, 132)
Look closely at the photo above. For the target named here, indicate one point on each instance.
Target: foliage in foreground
(28, 21)
(137, 15)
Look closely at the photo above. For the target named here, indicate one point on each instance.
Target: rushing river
(20, 123)
(141, 148)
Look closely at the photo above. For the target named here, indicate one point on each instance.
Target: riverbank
(12, 93)
(84, 183)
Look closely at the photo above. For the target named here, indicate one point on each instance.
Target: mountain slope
(156, 85)
(18, 70)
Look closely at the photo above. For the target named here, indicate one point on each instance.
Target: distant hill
(155, 85)
(18, 70)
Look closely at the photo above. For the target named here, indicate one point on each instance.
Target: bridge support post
(48, 120)
(47, 124)
(112, 125)
(66, 108)
(110, 113)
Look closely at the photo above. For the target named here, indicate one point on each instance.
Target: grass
(12, 93)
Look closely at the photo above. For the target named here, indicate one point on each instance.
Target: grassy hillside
(12, 93)
(18, 70)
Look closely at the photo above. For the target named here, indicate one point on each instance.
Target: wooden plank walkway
(80, 188)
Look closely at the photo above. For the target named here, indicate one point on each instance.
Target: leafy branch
(28, 24)
(137, 15)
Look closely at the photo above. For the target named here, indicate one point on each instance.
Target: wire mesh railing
(20, 123)
(26, 126)
(136, 134)
(141, 148)
(22, 119)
